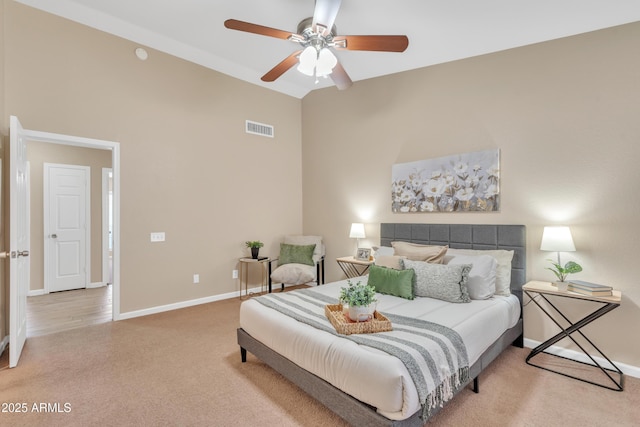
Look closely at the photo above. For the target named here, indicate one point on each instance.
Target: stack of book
(588, 288)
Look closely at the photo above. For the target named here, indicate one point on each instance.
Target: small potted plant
(255, 246)
(562, 272)
(360, 299)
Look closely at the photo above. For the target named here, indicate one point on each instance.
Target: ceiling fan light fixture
(308, 60)
(326, 61)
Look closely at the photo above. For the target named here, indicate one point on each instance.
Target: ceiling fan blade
(340, 77)
(325, 13)
(248, 27)
(373, 43)
(282, 67)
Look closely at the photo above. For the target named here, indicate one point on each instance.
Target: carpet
(183, 368)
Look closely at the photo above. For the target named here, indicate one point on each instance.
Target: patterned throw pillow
(296, 254)
(444, 282)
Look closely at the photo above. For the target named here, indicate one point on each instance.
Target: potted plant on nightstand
(255, 246)
(360, 299)
(562, 272)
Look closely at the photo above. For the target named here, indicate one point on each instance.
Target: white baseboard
(185, 304)
(4, 344)
(96, 285)
(38, 292)
(632, 371)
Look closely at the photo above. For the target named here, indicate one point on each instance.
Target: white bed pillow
(482, 277)
(383, 251)
(503, 272)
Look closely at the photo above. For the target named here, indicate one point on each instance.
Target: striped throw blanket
(434, 355)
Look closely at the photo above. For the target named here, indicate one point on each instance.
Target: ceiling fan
(317, 35)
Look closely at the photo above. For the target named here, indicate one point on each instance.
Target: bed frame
(460, 236)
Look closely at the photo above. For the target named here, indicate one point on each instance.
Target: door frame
(46, 192)
(114, 147)
(105, 226)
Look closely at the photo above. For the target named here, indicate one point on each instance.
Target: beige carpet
(183, 368)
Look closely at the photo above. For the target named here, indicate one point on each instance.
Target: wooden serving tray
(346, 326)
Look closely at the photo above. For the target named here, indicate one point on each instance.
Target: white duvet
(367, 374)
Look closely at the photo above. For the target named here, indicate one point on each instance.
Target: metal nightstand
(544, 289)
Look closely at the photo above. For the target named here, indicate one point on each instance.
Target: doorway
(67, 255)
(54, 142)
(69, 292)
(19, 284)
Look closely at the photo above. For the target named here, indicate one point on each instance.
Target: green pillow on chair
(296, 254)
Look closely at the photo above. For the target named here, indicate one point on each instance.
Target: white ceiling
(439, 30)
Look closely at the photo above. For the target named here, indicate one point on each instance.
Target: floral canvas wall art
(460, 183)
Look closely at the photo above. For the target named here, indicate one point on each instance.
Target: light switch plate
(157, 236)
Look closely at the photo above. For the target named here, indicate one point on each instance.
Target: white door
(18, 240)
(67, 218)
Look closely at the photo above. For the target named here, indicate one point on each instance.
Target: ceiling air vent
(259, 129)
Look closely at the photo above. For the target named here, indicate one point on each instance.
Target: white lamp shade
(557, 239)
(357, 231)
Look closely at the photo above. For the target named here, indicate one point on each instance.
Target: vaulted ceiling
(438, 30)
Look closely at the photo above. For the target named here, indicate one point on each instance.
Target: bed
(336, 371)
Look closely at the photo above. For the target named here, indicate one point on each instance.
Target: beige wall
(187, 166)
(39, 153)
(563, 114)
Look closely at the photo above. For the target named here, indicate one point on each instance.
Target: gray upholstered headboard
(466, 236)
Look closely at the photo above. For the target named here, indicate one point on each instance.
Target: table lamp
(557, 239)
(357, 232)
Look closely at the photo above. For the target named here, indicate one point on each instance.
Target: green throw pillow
(296, 254)
(392, 282)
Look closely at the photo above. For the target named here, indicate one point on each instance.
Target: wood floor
(61, 311)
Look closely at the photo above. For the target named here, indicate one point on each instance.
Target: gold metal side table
(245, 264)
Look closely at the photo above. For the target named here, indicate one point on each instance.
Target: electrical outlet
(196, 278)
(234, 274)
(157, 237)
